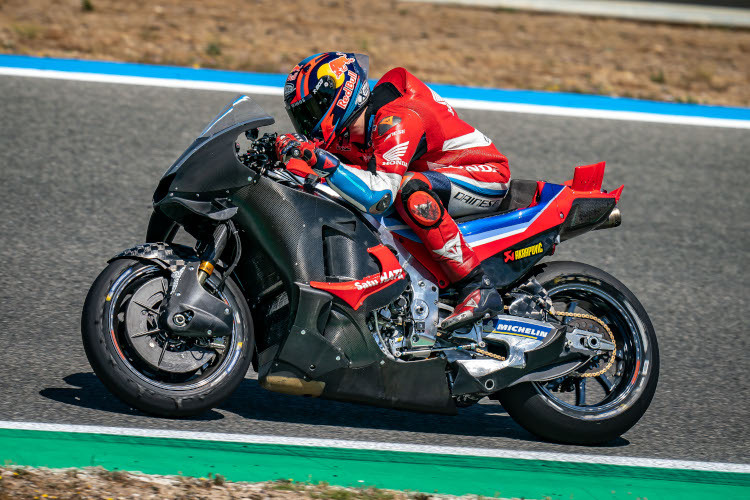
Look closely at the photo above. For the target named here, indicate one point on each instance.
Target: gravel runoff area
(98, 483)
(439, 43)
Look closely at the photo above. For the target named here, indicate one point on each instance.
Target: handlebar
(261, 158)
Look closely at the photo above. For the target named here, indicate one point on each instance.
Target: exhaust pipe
(614, 220)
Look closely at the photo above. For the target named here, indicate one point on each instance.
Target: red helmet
(326, 92)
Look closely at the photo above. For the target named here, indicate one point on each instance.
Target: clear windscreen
(241, 109)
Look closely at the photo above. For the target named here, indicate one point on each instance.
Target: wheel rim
(120, 304)
(607, 394)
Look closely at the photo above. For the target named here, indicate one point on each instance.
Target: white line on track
(142, 80)
(373, 446)
(511, 107)
(634, 116)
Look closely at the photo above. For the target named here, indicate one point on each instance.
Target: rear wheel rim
(118, 298)
(609, 394)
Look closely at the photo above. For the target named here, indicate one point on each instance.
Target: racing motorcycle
(326, 301)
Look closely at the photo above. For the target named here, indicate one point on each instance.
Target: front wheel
(583, 409)
(147, 368)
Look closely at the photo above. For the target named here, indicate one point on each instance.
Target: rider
(400, 145)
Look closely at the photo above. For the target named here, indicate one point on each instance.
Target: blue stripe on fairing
(498, 225)
(478, 190)
(534, 97)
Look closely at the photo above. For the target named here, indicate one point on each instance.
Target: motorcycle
(326, 301)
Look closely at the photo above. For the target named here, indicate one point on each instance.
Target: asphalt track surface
(79, 162)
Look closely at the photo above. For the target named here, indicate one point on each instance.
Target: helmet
(326, 92)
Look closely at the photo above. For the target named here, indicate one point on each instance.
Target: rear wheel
(579, 409)
(146, 367)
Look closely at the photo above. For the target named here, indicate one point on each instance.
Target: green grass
(213, 49)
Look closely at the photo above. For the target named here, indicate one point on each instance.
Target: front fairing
(210, 164)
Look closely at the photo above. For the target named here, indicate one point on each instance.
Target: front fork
(212, 253)
(190, 309)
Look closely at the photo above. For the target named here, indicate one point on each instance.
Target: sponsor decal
(300, 102)
(520, 329)
(513, 255)
(293, 74)
(288, 90)
(452, 249)
(176, 279)
(356, 292)
(442, 101)
(395, 133)
(342, 143)
(475, 202)
(393, 155)
(335, 69)
(339, 66)
(387, 123)
(348, 90)
(364, 93)
(479, 168)
(385, 277)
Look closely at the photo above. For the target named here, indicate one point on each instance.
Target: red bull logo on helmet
(336, 69)
(349, 87)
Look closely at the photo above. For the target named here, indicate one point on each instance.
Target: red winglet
(588, 177)
(617, 192)
(355, 292)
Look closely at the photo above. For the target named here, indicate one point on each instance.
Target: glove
(295, 146)
(300, 155)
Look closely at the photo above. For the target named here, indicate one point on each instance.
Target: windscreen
(241, 109)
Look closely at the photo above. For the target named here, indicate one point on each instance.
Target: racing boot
(477, 297)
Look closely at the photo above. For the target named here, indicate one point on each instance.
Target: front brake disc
(154, 346)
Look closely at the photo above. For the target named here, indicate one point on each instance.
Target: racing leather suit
(421, 156)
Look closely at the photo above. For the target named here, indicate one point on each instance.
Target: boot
(477, 297)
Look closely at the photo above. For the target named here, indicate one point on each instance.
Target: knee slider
(421, 204)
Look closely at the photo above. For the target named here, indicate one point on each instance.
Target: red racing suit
(432, 164)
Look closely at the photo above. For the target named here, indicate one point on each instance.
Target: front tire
(589, 411)
(174, 388)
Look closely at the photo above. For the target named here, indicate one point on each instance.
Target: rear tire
(119, 368)
(541, 408)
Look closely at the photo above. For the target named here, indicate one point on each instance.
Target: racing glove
(294, 146)
(291, 149)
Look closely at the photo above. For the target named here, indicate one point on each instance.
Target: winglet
(588, 177)
(617, 192)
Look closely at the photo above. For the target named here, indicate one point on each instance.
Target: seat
(520, 195)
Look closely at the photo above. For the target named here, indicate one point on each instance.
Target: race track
(79, 162)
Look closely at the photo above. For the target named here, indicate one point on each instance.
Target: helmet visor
(307, 113)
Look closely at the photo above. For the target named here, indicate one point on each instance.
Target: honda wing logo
(393, 155)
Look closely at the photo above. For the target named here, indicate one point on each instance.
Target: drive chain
(480, 351)
(489, 354)
(611, 360)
